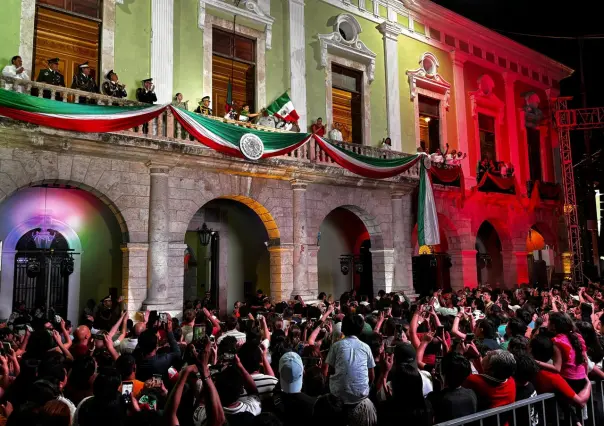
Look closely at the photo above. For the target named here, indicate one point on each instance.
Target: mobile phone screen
(127, 388)
(199, 331)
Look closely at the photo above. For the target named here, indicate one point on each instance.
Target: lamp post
(204, 234)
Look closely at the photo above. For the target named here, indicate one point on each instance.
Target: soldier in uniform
(146, 94)
(204, 106)
(83, 81)
(51, 75)
(112, 87)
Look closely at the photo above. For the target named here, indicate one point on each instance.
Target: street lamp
(204, 234)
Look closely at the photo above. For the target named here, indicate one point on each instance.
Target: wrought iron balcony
(166, 128)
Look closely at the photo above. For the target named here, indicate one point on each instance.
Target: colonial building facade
(128, 205)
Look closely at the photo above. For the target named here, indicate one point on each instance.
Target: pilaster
(552, 94)
(512, 120)
(281, 260)
(297, 60)
(461, 115)
(393, 101)
(134, 274)
(382, 261)
(401, 236)
(162, 48)
(470, 274)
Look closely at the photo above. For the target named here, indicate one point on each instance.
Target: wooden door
(70, 38)
(242, 84)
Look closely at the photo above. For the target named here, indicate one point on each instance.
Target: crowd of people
(351, 361)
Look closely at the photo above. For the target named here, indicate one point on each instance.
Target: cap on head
(205, 98)
(148, 80)
(404, 353)
(84, 65)
(291, 371)
(53, 61)
(109, 74)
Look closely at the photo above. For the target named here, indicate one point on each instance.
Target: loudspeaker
(540, 273)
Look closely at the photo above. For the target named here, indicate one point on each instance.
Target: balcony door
(71, 31)
(347, 100)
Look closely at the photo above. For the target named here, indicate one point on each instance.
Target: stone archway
(489, 259)
(237, 242)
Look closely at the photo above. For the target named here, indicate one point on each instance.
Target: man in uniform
(204, 106)
(83, 81)
(51, 75)
(112, 87)
(146, 94)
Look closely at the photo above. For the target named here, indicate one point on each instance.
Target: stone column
(134, 274)
(297, 60)
(391, 32)
(470, 274)
(461, 114)
(520, 268)
(27, 31)
(300, 259)
(176, 276)
(281, 271)
(162, 48)
(159, 213)
(382, 263)
(512, 121)
(313, 270)
(401, 237)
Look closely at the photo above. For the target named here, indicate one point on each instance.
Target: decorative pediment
(344, 42)
(247, 9)
(427, 77)
(484, 98)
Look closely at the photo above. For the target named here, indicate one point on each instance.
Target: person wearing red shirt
(496, 387)
(318, 128)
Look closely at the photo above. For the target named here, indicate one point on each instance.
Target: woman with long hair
(407, 398)
(570, 357)
(594, 348)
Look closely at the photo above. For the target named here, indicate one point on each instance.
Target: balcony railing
(166, 127)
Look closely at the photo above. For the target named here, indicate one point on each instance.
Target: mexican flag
(283, 108)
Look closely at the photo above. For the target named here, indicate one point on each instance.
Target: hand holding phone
(127, 388)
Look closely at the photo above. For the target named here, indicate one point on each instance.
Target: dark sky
(570, 18)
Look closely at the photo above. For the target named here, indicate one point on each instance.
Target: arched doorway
(489, 261)
(43, 264)
(236, 260)
(344, 259)
(83, 224)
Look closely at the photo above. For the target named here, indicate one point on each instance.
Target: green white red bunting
(229, 139)
(74, 117)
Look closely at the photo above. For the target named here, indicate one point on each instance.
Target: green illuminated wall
(409, 53)
(10, 31)
(319, 18)
(133, 43)
(188, 52)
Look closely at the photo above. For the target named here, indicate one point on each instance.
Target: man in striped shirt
(252, 357)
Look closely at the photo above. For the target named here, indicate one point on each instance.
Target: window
(486, 131)
(90, 8)
(65, 35)
(533, 137)
(233, 59)
(429, 123)
(347, 88)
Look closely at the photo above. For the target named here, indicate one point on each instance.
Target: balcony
(164, 133)
(547, 190)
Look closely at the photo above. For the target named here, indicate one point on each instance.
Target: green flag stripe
(273, 141)
(376, 162)
(29, 103)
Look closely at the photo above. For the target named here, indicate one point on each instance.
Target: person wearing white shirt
(15, 70)
(335, 134)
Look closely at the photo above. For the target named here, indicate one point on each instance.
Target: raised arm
(455, 327)
(248, 382)
(116, 326)
(413, 328)
(65, 333)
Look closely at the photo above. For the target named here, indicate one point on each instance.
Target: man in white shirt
(128, 345)
(335, 134)
(232, 330)
(15, 70)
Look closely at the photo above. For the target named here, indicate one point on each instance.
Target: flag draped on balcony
(226, 138)
(74, 117)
